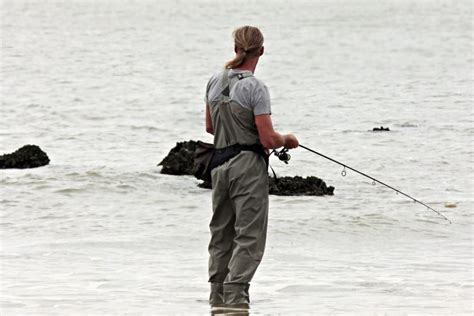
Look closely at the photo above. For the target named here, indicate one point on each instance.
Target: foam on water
(106, 88)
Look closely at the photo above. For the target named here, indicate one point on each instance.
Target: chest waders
(239, 200)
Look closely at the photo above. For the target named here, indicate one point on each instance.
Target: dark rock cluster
(381, 129)
(180, 159)
(28, 156)
(299, 186)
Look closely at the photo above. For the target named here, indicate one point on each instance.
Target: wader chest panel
(233, 124)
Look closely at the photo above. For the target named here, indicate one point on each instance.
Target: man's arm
(271, 139)
(209, 127)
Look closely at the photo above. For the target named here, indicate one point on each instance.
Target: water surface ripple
(107, 87)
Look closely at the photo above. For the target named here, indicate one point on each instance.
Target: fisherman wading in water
(238, 114)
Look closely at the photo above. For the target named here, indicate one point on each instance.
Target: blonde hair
(247, 41)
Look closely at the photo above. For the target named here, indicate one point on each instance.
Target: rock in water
(381, 129)
(299, 186)
(292, 186)
(180, 159)
(28, 156)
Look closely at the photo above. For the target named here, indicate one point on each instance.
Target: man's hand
(291, 141)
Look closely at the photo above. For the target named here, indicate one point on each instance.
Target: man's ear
(262, 49)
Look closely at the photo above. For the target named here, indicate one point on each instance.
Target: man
(238, 114)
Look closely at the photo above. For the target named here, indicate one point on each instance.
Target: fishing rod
(285, 157)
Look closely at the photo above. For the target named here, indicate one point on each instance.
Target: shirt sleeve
(206, 96)
(261, 100)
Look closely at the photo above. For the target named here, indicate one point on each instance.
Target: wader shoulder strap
(244, 75)
(226, 83)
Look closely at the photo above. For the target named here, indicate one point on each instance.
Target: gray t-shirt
(249, 92)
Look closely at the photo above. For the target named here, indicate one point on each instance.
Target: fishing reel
(283, 155)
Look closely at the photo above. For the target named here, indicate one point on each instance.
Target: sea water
(108, 87)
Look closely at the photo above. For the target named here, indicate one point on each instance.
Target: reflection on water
(229, 311)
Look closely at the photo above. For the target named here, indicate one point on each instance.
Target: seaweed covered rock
(180, 159)
(299, 186)
(28, 156)
(292, 186)
(381, 129)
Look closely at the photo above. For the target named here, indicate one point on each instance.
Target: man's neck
(249, 65)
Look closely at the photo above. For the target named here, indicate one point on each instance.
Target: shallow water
(107, 87)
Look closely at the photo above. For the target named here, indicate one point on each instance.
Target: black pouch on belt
(203, 156)
(225, 154)
(222, 155)
(207, 157)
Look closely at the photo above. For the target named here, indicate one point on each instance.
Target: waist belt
(225, 154)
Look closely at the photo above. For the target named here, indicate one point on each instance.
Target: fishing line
(284, 156)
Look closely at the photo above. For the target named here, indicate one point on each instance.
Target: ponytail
(237, 61)
(247, 42)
